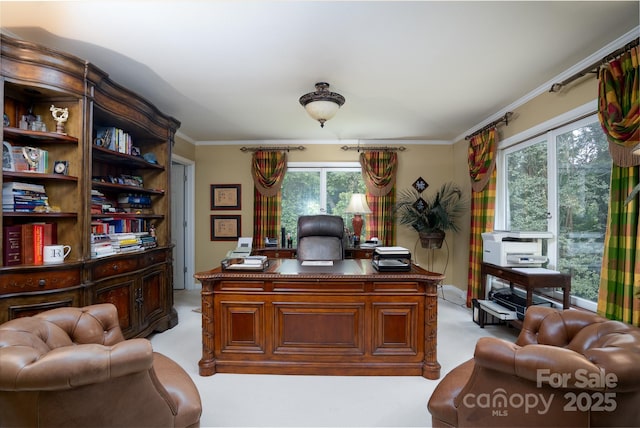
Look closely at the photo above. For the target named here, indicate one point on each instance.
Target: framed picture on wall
(225, 227)
(225, 197)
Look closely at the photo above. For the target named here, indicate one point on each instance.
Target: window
(560, 182)
(318, 188)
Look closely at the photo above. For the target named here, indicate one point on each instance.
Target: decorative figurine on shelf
(32, 156)
(152, 230)
(60, 115)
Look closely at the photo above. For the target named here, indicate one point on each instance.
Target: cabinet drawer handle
(42, 282)
(115, 267)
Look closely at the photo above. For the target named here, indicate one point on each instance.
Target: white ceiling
(234, 70)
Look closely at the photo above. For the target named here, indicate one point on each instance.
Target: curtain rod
(504, 119)
(593, 68)
(272, 149)
(380, 148)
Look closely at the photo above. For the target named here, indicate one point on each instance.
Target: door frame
(189, 215)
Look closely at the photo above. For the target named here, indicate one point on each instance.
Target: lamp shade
(322, 104)
(358, 204)
(321, 110)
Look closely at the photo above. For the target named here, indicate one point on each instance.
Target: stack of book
(24, 197)
(146, 240)
(101, 246)
(125, 242)
(134, 203)
(100, 204)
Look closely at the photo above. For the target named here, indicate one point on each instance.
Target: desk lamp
(357, 206)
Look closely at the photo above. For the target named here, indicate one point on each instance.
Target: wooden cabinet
(140, 287)
(130, 174)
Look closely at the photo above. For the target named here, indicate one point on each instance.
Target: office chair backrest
(320, 237)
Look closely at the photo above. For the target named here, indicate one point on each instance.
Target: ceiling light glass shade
(358, 204)
(322, 104)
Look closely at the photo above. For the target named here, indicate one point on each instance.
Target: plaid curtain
(482, 171)
(379, 173)
(619, 106)
(618, 110)
(619, 294)
(267, 169)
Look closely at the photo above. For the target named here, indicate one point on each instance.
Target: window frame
(323, 168)
(544, 132)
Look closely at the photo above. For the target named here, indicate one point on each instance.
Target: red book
(12, 245)
(27, 244)
(38, 244)
(50, 233)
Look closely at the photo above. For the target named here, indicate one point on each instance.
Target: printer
(513, 249)
(243, 249)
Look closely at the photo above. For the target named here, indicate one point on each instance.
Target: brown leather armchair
(72, 367)
(320, 237)
(567, 368)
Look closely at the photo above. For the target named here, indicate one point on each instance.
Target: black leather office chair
(320, 237)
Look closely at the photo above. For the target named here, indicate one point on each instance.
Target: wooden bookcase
(139, 283)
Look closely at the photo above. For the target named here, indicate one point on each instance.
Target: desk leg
(483, 284)
(566, 297)
(208, 363)
(431, 367)
(529, 296)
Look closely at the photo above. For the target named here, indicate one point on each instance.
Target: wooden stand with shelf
(33, 78)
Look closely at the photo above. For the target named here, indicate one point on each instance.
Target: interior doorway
(182, 222)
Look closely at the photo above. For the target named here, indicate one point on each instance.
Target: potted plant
(431, 216)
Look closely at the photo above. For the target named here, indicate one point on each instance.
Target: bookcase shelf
(138, 283)
(127, 215)
(19, 175)
(123, 159)
(26, 136)
(123, 188)
(38, 216)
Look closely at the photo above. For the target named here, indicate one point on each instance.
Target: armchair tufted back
(613, 346)
(568, 359)
(64, 327)
(72, 367)
(320, 237)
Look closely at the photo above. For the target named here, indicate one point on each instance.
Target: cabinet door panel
(121, 294)
(28, 305)
(152, 291)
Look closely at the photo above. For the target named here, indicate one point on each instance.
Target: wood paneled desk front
(345, 319)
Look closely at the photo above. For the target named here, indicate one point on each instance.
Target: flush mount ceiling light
(322, 104)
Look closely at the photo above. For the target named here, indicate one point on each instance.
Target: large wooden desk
(347, 319)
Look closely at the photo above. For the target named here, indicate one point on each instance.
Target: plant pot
(432, 240)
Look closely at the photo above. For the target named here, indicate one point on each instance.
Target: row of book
(126, 203)
(115, 243)
(120, 225)
(23, 244)
(24, 197)
(115, 139)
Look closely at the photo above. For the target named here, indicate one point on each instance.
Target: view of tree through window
(578, 178)
(318, 190)
(584, 170)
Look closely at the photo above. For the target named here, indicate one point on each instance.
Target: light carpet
(242, 400)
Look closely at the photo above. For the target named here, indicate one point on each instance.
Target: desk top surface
(340, 269)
